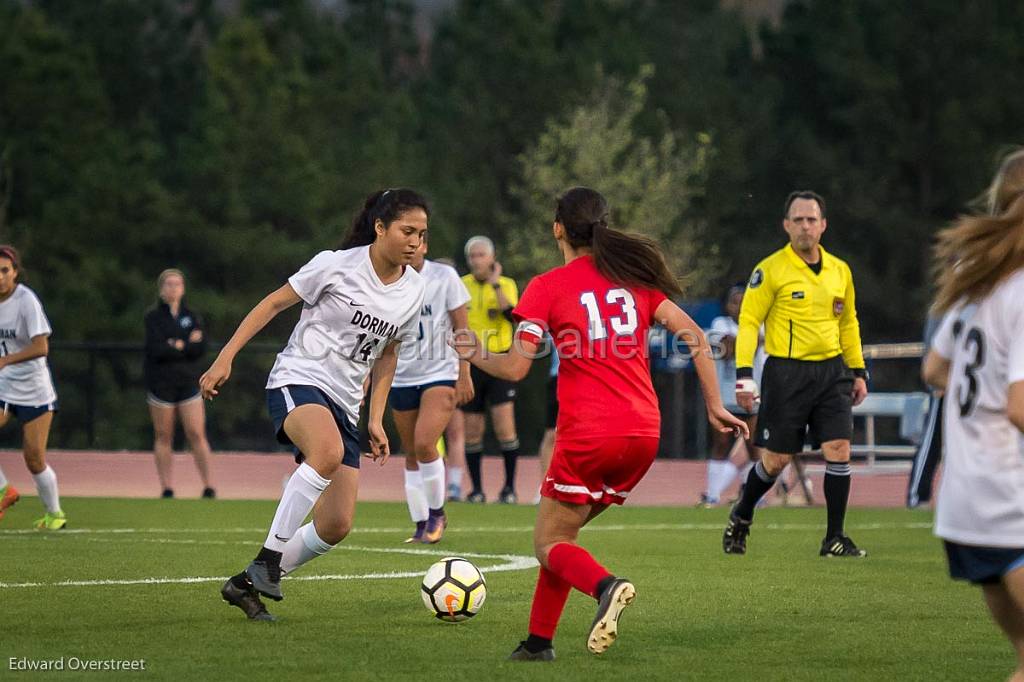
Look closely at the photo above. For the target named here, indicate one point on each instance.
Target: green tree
(649, 182)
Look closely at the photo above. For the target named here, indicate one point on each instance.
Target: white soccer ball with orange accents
(454, 589)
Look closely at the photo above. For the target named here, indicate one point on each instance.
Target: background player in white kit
(977, 357)
(26, 388)
(429, 382)
(357, 306)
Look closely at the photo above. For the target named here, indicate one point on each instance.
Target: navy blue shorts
(408, 397)
(26, 413)
(281, 401)
(982, 565)
(171, 396)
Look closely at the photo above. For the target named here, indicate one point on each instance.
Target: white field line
(509, 562)
(917, 525)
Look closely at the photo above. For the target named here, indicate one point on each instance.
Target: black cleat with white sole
(523, 654)
(247, 599)
(734, 539)
(619, 594)
(841, 546)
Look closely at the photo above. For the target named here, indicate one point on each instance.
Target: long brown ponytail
(977, 252)
(627, 259)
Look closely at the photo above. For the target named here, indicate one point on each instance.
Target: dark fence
(103, 401)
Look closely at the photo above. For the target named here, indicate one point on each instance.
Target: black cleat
(523, 654)
(841, 546)
(246, 599)
(476, 497)
(619, 594)
(734, 539)
(266, 578)
(209, 494)
(507, 496)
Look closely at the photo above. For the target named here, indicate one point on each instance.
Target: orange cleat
(8, 496)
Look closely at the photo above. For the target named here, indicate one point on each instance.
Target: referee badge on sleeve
(756, 279)
(837, 306)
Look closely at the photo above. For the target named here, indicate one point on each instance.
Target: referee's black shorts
(489, 391)
(801, 394)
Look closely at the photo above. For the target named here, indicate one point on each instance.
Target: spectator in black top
(174, 343)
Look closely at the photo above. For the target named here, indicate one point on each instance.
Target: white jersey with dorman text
(21, 319)
(981, 498)
(429, 358)
(348, 317)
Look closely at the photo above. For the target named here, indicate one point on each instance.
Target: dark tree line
(141, 134)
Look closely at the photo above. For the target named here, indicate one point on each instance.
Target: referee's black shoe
(841, 546)
(734, 539)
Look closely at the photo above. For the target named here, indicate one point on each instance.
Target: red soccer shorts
(598, 470)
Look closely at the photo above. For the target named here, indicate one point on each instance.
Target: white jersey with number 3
(981, 499)
(348, 317)
(429, 358)
(22, 318)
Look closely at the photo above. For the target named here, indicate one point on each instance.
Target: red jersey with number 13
(600, 329)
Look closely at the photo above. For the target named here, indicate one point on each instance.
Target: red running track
(248, 475)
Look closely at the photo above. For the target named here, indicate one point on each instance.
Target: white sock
(301, 493)
(433, 482)
(714, 476)
(304, 546)
(415, 496)
(727, 475)
(455, 476)
(3, 480)
(46, 485)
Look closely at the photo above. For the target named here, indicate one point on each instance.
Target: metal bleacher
(910, 408)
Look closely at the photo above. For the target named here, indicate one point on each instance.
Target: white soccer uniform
(22, 318)
(348, 317)
(430, 358)
(723, 326)
(981, 499)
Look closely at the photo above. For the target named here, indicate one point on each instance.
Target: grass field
(780, 613)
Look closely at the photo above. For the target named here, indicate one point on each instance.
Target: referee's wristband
(860, 373)
(744, 373)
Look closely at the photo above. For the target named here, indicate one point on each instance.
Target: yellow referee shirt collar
(826, 257)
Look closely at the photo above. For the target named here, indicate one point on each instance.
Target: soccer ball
(453, 589)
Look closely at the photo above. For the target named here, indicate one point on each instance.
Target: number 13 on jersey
(623, 324)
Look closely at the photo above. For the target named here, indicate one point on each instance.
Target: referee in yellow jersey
(492, 297)
(814, 374)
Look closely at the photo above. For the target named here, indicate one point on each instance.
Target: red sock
(574, 565)
(548, 602)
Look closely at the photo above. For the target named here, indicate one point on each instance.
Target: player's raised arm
(681, 325)
(256, 320)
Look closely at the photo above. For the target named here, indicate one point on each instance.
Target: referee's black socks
(474, 451)
(837, 494)
(510, 453)
(758, 483)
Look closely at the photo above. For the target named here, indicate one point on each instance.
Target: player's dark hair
(803, 194)
(385, 205)
(628, 259)
(10, 253)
